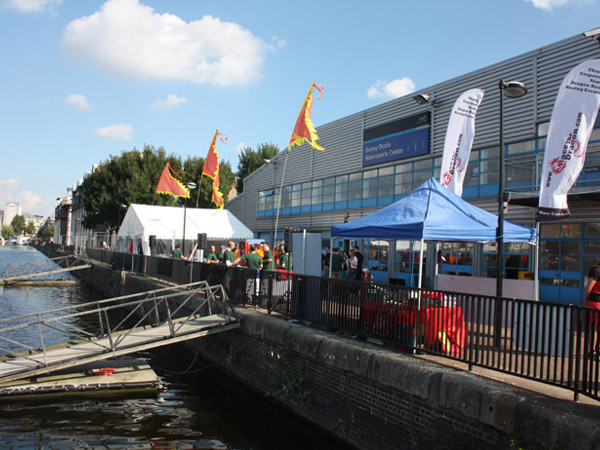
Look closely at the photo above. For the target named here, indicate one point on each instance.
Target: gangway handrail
(165, 308)
(108, 300)
(46, 260)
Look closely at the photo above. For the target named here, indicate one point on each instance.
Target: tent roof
(434, 213)
(166, 222)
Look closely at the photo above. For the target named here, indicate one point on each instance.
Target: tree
(30, 228)
(201, 197)
(18, 224)
(250, 160)
(129, 178)
(7, 231)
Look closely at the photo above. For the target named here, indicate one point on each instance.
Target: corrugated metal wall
(541, 70)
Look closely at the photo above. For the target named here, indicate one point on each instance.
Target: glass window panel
(570, 256)
(517, 247)
(419, 177)
(296, 187)
(403, 189)
(328, 194)
(550, 230)
(317, 193)
(472, 175)
(423, 164)
(592, 247)
(403, 178)
(295, 198)
(571, 230)
(386, 171)
(370, 188)
(403, 168)
(355, 176)
(341, 179)
(354, 190)
(386, 186)
(306, 185)
(370, 174)
(591, 230)
(317, 183)
(542, 129)
(489, 153)
(521, 147)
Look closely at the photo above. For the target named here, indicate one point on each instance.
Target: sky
(84, 80)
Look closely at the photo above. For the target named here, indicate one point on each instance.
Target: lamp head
(191, 185)
(422, 99)
(513, 89)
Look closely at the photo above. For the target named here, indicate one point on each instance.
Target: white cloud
(32, 6)
(119, 131)
(30, 202)
(237, 150)
(78, 101)
(172, 101)
(131, 40)
(549, 5)
(9, 183)
(393, 89)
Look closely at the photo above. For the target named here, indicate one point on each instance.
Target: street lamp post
(190, 186)
(508, 89)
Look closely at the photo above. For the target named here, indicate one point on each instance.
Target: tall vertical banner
(459, 140)
(571, 126)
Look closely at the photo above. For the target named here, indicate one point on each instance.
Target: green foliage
(201, 197)
(133, 176)
(30, 228)
(49, 231)
(129, 178)
(18, 224)
(250, 160)
(7, 231)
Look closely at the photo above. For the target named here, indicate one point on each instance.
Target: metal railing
(548, 342)
(34, 342)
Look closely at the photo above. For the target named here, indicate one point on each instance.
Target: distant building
(11, 209)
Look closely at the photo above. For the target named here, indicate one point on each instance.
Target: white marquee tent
(166, 223)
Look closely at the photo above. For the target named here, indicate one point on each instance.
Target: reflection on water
(200, 408)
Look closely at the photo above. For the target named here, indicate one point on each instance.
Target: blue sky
(83, 80)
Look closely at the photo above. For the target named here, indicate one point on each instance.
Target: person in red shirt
(592, 300)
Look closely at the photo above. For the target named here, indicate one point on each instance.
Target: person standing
(228, 254)
(268, 261)
(211, 255)
(177, 253)
(359, 263)
(352, 264)
(337, 264)
(592, 300)
(252, 259)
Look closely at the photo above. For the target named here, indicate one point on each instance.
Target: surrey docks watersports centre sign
(396, 140)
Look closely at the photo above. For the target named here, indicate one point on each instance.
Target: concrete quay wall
(375, 398)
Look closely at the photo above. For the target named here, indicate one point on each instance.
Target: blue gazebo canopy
(432, 212)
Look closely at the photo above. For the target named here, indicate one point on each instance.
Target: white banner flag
(571, 125)
(459, 140)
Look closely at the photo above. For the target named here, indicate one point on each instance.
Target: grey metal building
(324, 188)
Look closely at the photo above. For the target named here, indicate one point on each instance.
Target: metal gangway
(109, 328)
(26, 270)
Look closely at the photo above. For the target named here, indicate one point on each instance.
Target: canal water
(199, 408)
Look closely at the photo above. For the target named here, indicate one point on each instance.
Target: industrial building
(351, 179)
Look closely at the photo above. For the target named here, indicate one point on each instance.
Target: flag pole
(279, 198)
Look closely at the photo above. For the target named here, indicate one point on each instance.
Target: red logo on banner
(558, 165)
(577, 149)
(447, 178)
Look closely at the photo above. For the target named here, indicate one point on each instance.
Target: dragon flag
(170, 184)
(571, 125)
(304, 131)
(211, 169)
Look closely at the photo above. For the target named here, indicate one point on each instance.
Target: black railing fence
(552, 343)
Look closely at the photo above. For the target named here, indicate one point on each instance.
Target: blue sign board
(401, 139)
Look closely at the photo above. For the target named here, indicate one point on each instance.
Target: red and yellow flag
(211, 169)
(305, 131)
(169, 184)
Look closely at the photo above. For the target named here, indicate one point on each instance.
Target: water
(200, 408)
